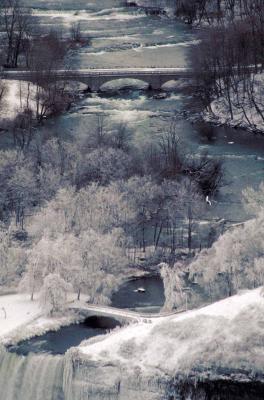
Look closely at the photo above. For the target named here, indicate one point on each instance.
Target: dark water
(70, 336)
(149, 301)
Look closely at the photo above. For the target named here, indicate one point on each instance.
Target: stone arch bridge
(124, 316)
(96, 78)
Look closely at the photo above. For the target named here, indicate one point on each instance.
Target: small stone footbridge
(86, 310)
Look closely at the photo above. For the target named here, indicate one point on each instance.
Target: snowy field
(21, 318)
(226, 334)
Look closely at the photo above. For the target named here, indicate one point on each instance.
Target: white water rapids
(32, 377)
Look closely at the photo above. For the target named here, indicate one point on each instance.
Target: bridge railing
(98, 72)
(123, 312)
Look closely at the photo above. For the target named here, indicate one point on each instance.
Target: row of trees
(167, 189)
(229, 59)
(234, 262)
(214, 11)
(15, 23)
(87, 236)
(83, 210)
(24, 44)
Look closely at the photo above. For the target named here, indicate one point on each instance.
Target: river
(126, 37)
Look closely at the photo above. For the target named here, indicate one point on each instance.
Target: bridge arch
(124, 83)
(175, 84)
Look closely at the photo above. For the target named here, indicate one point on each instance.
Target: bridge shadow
(102, 322)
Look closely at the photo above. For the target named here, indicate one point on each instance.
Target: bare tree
(45, 55)
(2, 93)
(15, 21)
(23, 128)
(75, 32)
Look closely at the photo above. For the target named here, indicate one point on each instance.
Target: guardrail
(123, 312)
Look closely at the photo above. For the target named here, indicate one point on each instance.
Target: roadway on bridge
(120, 312)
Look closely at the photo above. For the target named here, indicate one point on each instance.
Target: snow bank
(19, 311)
(227, 334)
(21, 318)
(16, 100)
(245, 114)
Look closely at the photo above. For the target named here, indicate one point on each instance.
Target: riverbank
(213, 349)
(21, 318)
(166, 7)
(244, 110)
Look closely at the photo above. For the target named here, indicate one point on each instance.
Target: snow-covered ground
(227, 334)
(21, 318)
(245, 114)
(16, 98)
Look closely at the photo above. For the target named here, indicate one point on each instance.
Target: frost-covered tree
(58, 255)
(92, 262)
(33, 278)
(235, 261)
(99, 208)
(12, 257)
(102, 208)
(183, 202)
(102, 264)
(54, 294)
(22, 192)
(254, 199)
(105, 165)
(255, 274)
(145, 198)
(173, 286)
(57, 217)
(18, 185)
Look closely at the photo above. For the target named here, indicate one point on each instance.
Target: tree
(144, 196)
(33, 278)
(2, 93)
(206, 172)
(102, 262)
(255, 274)
(54, 294)
(12, 257)
(19, 186)
(171, 152)
(23, 193)
(23, 128)
(75, 32)
(173, 286)
(15, 21)
(94, 207)
(233, 262)
(105, 165)
(193, 204)
(44, 56)
(254, 199)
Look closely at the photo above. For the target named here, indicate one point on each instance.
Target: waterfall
(32, 377)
